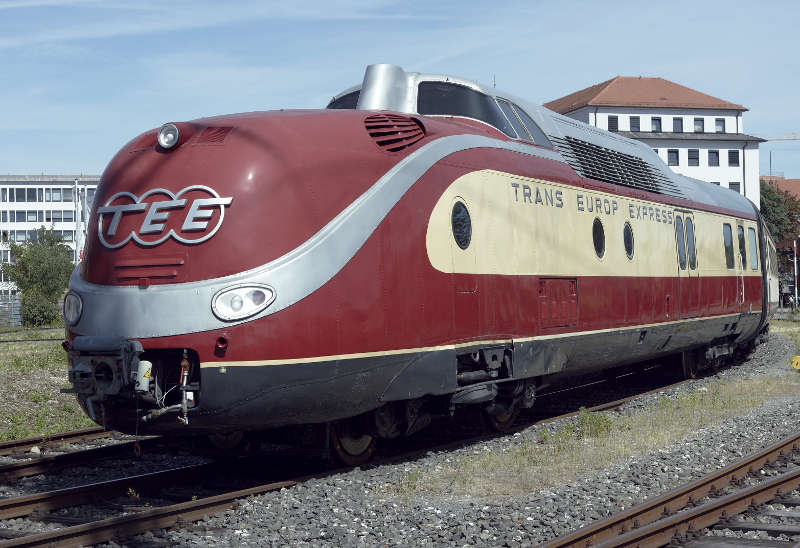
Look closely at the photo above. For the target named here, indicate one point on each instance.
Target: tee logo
(196, 226)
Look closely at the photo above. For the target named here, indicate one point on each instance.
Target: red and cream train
(424, 242)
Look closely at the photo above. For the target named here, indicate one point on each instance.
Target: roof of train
(389, 87)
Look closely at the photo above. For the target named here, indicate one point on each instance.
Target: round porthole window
(627, 236)
(462, 225)
(599, 237)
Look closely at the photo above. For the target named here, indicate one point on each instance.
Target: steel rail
(685, 524)
(157, 518)
(42, 465)
(8, 447)
(651, 511)
(74, 496)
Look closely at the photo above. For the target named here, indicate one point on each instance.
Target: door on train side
(686, 255)
(740, 264)
(693, 286)
(466, 314)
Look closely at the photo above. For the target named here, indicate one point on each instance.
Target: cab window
(346, 101)
(445, 98)
(533, 128)
(505, 106)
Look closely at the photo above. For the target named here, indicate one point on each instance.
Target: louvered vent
(393, 132)
(603, 164)
(213, 135)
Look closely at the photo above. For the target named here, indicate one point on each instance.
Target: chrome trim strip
(173, 309)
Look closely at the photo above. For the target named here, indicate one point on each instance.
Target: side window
(505, 106)
(742, 247)
(347, 101)
(681, 242)
(751, 237)
(727, 238)
(457, 100)
(690, 243)
(533, 128)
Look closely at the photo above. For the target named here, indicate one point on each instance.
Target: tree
(41, 270)
(775, 211)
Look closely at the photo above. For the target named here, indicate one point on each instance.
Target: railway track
(25, 444)
(40, 506)
(679, 516)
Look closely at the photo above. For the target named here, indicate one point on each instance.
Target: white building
(60, 202)
(695, 134)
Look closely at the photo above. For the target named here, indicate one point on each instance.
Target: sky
(80, 78)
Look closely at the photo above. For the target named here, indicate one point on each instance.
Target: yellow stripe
(317, 359)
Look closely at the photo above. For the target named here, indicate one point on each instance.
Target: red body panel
(388, 296)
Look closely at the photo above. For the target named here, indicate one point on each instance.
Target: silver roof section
(389, 87)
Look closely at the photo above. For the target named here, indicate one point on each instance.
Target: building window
(672, 157)
(613, 123)
(715, 183)
(635, 123)
(734, 186)
(40, 194)
(69, 216)
(20, 216)
(47, 195)
(699, 125)
(677, 124)
(20, 192)
(56, 194)
(719, 124)
(56, 216)
(713, 158)
(3, 195)
(3, 217)
(31, 192)
(67, 194)
(47, 216)
(694, 157)
(655, 124)
(733, 157)
(31, 216)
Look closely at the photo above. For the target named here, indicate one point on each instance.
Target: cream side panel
(523, 226)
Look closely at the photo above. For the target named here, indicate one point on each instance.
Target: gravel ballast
(360, 508)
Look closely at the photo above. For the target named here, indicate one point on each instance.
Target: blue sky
(79, 78)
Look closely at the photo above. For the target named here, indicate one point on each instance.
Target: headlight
(73, 307)
(243, 301)
(168, 136)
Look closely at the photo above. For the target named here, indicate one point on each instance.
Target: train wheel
(352, 448)
(502, 422)
(226, 441)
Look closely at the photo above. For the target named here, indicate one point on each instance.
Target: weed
(594, 440)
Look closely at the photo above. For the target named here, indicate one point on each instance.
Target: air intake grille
(603, 164)
(393, 132)
(213, 135)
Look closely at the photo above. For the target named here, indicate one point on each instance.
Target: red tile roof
(633, 91)
(792, 186)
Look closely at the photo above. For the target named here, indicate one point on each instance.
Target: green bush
(38, 310)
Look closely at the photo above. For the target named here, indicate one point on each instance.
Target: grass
(788, 328)
(548, 458)
(30, 401)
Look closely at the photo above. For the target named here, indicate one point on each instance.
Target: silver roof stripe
(173, 309)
